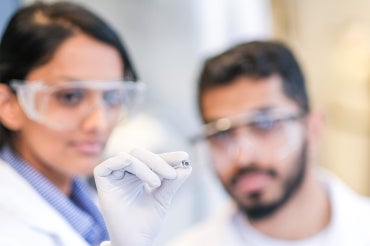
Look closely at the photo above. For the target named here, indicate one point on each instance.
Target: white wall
(7, 7)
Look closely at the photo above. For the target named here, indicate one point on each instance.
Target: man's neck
(304, 215)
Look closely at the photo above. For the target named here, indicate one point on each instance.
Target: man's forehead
(244, 94)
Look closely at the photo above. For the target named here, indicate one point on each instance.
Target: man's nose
(245, 149)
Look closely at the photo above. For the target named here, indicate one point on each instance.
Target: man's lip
(252, 182)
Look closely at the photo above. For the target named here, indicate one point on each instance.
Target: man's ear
(315, 127)
(11, 115)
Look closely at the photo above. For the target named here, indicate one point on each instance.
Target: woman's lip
(88, 147)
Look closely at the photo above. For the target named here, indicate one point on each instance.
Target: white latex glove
(135, 190)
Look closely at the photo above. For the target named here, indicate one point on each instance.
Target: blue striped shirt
(79, 209)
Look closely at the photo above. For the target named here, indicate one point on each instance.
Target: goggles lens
(272, 134)
(64, 106)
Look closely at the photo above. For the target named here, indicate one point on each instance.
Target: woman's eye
(70, 97)
(112, 98)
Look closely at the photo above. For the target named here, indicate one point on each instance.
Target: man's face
(260, 164)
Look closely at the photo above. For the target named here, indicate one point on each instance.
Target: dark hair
(259, 59)
(35, 32)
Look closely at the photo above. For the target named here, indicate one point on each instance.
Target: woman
(63, 74)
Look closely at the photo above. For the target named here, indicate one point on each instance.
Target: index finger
(128, 163)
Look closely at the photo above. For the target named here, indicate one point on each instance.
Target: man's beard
(291, 185)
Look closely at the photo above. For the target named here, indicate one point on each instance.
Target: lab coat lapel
(25, 204)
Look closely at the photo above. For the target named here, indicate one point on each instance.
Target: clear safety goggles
(64, 106)
(273, 134)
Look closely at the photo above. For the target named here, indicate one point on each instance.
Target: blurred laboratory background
(168, 41)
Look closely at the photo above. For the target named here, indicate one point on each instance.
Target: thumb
(169, 187)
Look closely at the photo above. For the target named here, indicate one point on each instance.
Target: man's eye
(265, 125)
(70, 97)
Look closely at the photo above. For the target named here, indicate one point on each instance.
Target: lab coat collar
(22, 202)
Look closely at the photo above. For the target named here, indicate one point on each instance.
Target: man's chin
(260, 212)
(253, 206)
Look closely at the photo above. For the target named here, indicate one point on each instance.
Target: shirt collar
(79, 209)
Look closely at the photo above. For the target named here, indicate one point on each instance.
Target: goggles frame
(227, 135)
(26, 92)
(256, 118)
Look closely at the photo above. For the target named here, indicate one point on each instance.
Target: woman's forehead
(83, 58)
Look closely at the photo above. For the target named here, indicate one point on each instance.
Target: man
(263, 138)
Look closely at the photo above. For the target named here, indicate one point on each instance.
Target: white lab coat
(27, 219)
(350, 224)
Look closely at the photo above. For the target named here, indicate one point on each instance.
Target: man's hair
(36, 31)
(257, 59)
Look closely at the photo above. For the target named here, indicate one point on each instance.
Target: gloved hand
(135, 190)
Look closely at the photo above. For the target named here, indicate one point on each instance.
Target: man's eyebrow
(256, 111)
(265, 109)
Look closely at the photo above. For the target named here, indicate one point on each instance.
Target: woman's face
(61, 154)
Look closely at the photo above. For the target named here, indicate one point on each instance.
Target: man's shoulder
(211, 231)
(196, 235)
(350, 210)
(342, 194)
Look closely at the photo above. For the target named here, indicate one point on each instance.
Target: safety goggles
(273, 134)
(64, 106)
